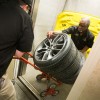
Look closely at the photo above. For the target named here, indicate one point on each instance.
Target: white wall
(85, 6)
(46, 17)
(87, 85)
(49, 9)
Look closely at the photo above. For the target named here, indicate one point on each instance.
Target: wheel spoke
(55, 51)
(56, 38)
(50, 41)
(42, 50)
(47, 43)
(58, 46)
(50, 55)
(59, 39)
(50, 47)
(45, 56)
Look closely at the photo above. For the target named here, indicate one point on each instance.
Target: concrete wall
(49, 9)
(46, 17)
(85, 6)
(87, 85)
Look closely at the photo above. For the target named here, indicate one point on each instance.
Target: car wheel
(59, 57)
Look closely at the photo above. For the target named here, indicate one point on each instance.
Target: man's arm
(51, 33)
(67, 31)
(24, 43)
(19, 54)
(84, 49)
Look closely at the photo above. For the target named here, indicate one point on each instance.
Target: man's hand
(19, 54)
(84, 49)
(50, 34)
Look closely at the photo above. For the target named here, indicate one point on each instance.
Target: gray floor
(30, 76)
(22, 93)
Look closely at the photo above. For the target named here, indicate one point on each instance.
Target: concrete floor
(22, 93)
(30, 76)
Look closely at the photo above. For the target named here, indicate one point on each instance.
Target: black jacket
(15, 32)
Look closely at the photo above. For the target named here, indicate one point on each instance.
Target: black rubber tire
(70, 74)
(53, 85)
(39, 77)
(45, 46)
(43, 94)
(65, 64)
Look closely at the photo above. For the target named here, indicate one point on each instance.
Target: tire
(56, 48)
(53, 86)
(64, 63)
(59, 57)
(70, 74)
(43, 94)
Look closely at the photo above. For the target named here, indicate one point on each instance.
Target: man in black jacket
(16, 37)
(81, 36)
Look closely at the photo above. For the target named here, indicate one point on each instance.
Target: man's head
(84, 24)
